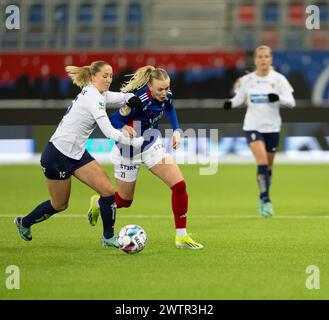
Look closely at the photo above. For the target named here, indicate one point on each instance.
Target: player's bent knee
(58, 206)
(106, 191)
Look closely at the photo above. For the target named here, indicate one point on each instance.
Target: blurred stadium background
(205, 46)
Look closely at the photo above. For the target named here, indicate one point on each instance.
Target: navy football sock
(263, 182)
(270, 176)
(42, 212)
(108, 212)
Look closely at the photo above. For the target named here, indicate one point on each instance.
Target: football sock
(122, 203)
(181, 232)
(42, 212)
(108, 212)
(269, 177)
(263, 182)
(179, 201)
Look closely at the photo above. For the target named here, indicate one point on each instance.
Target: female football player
(65, 154)
(152, 86)
(263, 91)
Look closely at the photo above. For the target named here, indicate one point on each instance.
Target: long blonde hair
(143, 76)
(81, 76)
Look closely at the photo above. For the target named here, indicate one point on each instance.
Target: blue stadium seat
(324, 11)
(9, 40)
(61, 15)
(37, 14)
(295, 39)
(85, 13)
(271, 13)
(110, 13)
(58, 39)
(84, 40)
(135, 13)
(132, 40)
(109, 39)
(34, 40)
(245, 39)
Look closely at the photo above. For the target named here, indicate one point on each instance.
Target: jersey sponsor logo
(158, 146)
(128, 167)
(125, 110)
(259, 98)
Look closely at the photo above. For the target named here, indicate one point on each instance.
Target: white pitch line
(169, 216)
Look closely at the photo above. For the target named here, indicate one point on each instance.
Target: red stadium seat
(270, 38)
(319, 39)
(247, 13)
(296, 13)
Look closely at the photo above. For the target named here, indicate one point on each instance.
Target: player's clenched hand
(176, 140)
(273, 97)
(129, 131)
(137, 142)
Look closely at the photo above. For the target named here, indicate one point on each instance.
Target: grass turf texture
(245, 256)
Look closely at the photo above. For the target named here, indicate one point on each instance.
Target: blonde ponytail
(138, 80)
(81, 76)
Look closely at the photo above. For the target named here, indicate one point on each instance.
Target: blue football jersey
(145, 121)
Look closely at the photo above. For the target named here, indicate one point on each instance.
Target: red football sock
(179, 201)
(122, 203)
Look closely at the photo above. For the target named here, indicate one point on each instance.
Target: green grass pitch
(245, 256)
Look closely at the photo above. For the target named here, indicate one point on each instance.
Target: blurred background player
(152, 86)
(65, 153)
(263, 91)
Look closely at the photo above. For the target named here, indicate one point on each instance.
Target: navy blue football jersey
(145, 121)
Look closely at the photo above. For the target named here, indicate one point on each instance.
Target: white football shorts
(126, 169)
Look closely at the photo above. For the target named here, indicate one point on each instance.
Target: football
(132, 238)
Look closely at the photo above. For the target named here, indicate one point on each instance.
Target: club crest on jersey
(101, 105)
(125, 110)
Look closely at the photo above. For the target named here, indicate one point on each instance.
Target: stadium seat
(37, 14)
(271, 13)
(246, 13)
(134, 13)
(296, 13)
(110, 13)
(34, 40)
(132, 40)
(108, 39)
(61, 15)
(10, 40)
(324, 12)
(319, 39)
(270, 38)
(84, 40)
(85, 13)
(245, 39)
(295, 39)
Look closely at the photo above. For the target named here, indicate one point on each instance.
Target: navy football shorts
(271, 139)
(57, 166)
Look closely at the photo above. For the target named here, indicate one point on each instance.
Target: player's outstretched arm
(110, 132)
